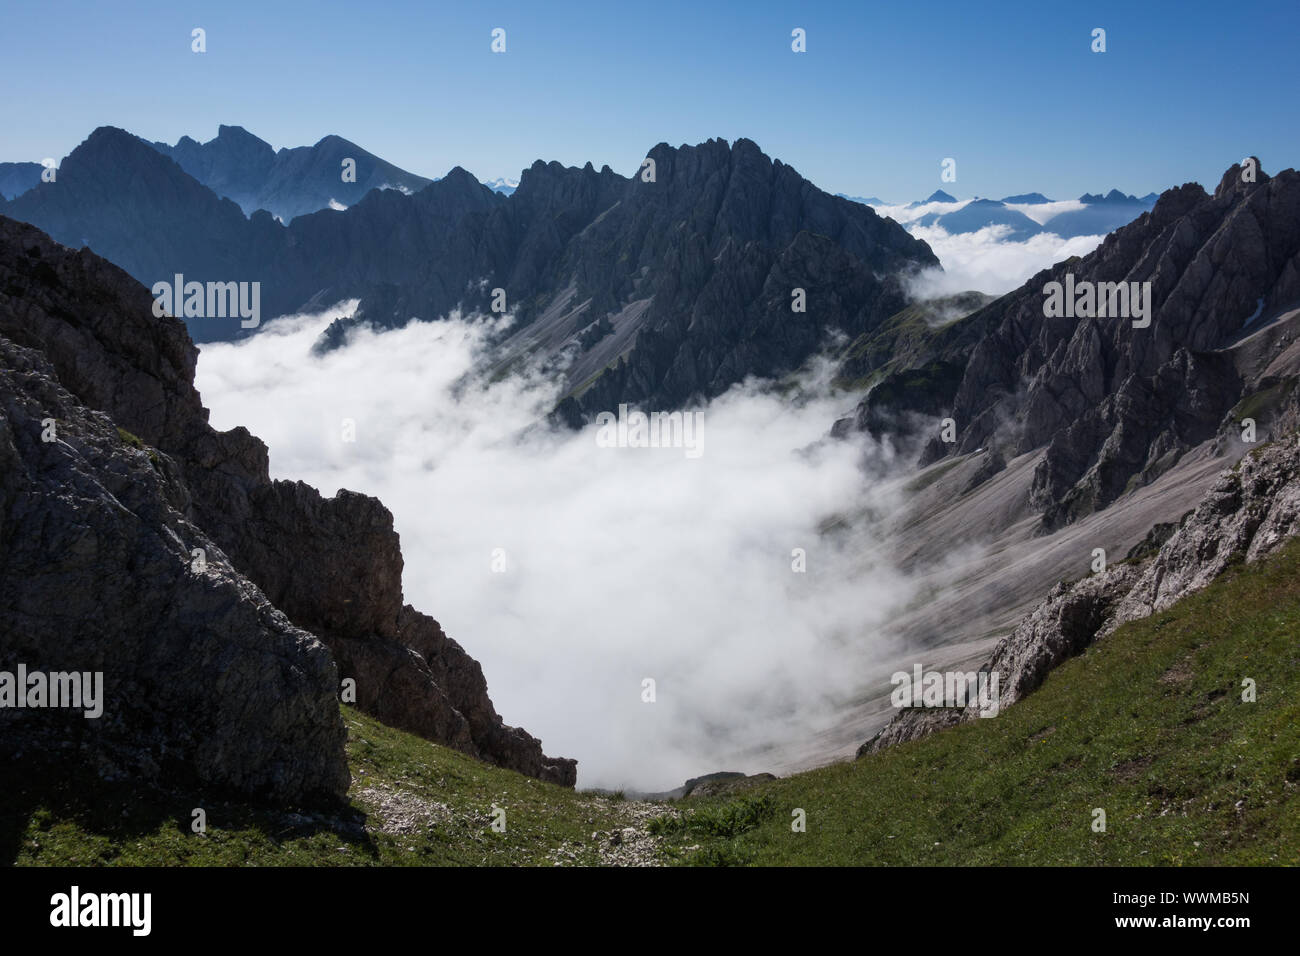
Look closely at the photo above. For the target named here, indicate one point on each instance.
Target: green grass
(61, 820)
(138, 444)
(720, 820)
(130, 439)
(904, 340)
(1262, 404)
(1148, 725)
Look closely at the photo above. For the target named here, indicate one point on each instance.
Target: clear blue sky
(1012, 91)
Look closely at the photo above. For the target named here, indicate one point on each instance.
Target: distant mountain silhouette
(290, 182)
(124, 199)
(1102, 215)
(865, 200)
(17, 178)
(981, 213)
(937, 196)
(1114, 196)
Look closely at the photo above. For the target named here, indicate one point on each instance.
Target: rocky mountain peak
(334, 141)
(237, 136)
(1233, 182)
(462, 179)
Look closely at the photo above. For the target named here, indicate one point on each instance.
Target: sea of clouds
(986, 260)
(621, 564)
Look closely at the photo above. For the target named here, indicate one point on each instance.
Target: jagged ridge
(1112, 405)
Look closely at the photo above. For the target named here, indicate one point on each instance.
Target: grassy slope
(911, 338)
(423, 804)
(1148, 724)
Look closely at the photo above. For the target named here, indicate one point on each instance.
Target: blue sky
(1012, 91)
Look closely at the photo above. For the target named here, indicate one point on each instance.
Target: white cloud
(987, 262)
(622, 564)
(904, 214)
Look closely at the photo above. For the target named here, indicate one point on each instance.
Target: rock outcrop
(1250, 511)
(205, 682)
(331, 565)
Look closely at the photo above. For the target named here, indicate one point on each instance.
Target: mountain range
(658, 291)
(1023, 216)
(288, 182)
(669, 291)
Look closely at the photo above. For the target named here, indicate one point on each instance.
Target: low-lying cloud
(621, 564)
(985, 261)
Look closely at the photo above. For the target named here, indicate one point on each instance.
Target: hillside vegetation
(1148, 724)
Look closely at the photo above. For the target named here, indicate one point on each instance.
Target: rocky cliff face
(1248, 513)
(332, 565)
(1115, 406)
(204, 680)
(715, 248)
